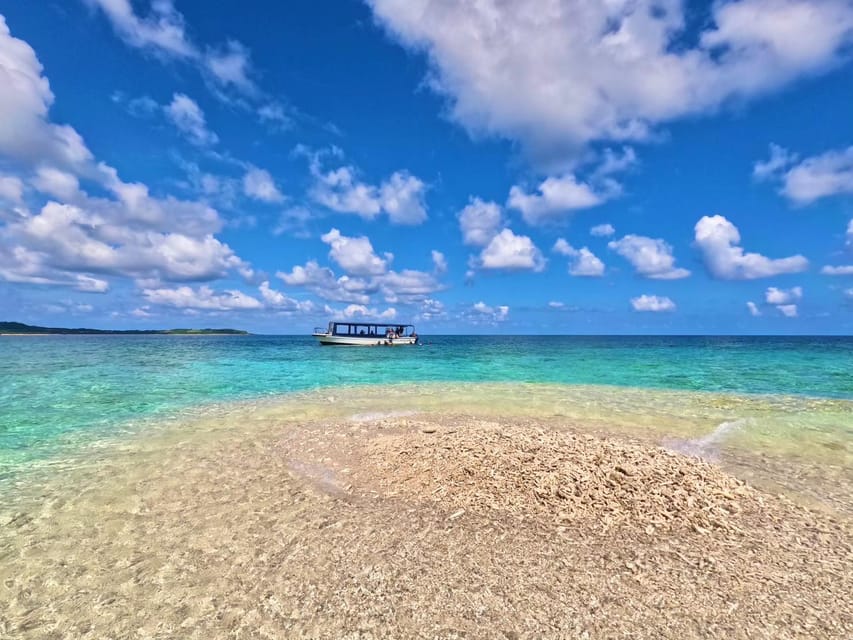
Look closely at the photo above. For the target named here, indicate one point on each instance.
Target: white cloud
(850, 233)
(70, 238)
(821, 176)
(91, 285)
(652, 303)
(439, 261)
(407, 285)
(201, 298)
(322, 282)
(780, 159)
(142, 312)
(231, 66)
(401, 196)
(124, 231)
(431, 309)
(355, 255)
(783, 296)
(355, 310)
(602, 230)
(839, 270)
(753, 309)
(788, 310)
(280, 302)
(511, 252)
(188, 117)
(495, 314)
(11, 188)
(259, 184)
(25, 133)
(162, 31)
(56, 183)
(848, 293)
(584, 262)
(784, 299)
(479, 222)
(718, 240)
(554, 197)
(651, 257)
(275, 115)
(563, 73)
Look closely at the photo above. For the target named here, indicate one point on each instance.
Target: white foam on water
(380, 415)
(707, 447)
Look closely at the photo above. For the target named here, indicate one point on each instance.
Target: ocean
(213, 486)
(58, 393)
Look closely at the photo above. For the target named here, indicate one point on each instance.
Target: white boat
(366, 334)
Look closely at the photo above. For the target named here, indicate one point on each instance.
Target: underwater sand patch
(438, 526)
(561, 477)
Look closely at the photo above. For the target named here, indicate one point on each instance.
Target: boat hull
(364, 341)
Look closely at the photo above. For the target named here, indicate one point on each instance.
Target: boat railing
(321, 330)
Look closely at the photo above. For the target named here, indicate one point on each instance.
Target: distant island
(19, 328)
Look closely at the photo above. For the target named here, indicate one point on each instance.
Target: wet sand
(428, 524)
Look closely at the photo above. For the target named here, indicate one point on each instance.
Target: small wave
(708, 446)
(379, 415)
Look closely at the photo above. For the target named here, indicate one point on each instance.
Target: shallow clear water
(67, 389)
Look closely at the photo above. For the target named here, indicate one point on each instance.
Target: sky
(469, 166)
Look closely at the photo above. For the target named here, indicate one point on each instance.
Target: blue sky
(473, 167)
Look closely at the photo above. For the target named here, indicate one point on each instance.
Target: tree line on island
(19, 328)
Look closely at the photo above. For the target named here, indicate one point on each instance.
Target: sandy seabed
(435, 525)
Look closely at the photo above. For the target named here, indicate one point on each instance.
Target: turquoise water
(79, 387)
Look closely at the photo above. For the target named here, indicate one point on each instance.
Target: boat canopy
(379, 329)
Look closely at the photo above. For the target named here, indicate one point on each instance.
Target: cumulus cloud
(400, 197)
(553, 198)
(652, 303)
(510, 252)
(821, 176)
(26, 135)
(602, 230)
(583, 261)
(11, 188)
(782, 296)
(788, 310)
(481, 310)
(259, 184)
(201, 298)
(479, 222)
(355, 255)
(718, 240)
(406, 286)
(75, 239)
(189, 119)
(356, 311)
(58, 184)
(651, 257)
(838, 270)
(439, 261)
(753, 309)
(323, 283)
(784, 299)
(431, 309)
(563, 73)
(69, 238)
